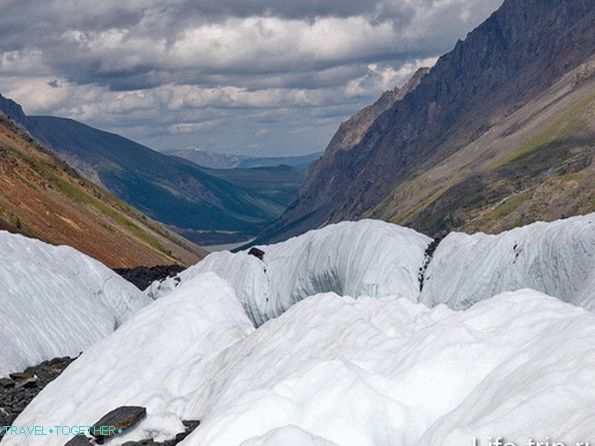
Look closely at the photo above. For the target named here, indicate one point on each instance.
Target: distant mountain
(280, 184)
(173, 191)
(302, 160)
(204, 158)
(499, 133)
(42, 197)
(224, 161)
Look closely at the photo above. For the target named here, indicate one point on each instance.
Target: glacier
(56, 301)
(151, 360)
(336, 370)
(374, 258)
(351, 335)
(364, 258)
(557, 258)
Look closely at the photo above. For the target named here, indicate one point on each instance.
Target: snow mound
(147, 362)
(288, 436)
(56, 301)
(557, 258)
(337, 370)
(364, 258)
(379, 372)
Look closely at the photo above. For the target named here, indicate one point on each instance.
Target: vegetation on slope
(42, 197)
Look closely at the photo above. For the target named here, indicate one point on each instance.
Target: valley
(427, 280)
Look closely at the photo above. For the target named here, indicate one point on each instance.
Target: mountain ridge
(42, 197)
(517, 53)
(214, 160)
(177, 193)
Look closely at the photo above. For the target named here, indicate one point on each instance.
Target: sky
(252, 77)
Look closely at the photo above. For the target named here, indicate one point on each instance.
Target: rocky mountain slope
(500, 132)
(42, 197)
(173, 191)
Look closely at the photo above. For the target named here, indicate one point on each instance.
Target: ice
(477, 354)
(55, 301)
(365, 258)
(337, 370)
(147, 362)
(288, 436)
(557, 258)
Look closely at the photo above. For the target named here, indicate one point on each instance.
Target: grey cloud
(184, 72)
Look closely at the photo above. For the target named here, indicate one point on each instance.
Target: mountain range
(499, 133)
(171, 190)
(215, 160)
(42, 197)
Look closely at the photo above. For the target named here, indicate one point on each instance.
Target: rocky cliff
(519, 53)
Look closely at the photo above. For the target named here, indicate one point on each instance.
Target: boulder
(21, 376)
(258, 253)
(5, 382)
(79, 440)
(119, 419)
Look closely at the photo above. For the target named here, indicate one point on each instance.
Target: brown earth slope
(41, 197)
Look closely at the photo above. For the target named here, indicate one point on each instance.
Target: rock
(27, 383)
(21, 376)
(119, 419)
(190, 426)
(143, 276)
(15, 395)
(79, 440)
(258, 253)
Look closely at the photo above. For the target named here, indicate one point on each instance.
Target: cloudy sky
(258, 77)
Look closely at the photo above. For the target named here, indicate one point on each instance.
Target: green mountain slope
(175, 192)
(42, 197)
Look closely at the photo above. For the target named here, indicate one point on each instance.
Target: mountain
(42, 197)
(173, 191)
(56, 301)
(499, 133)
(280, 184)
(296, 161)
(352, 131)
(347, 335)
(225, 161)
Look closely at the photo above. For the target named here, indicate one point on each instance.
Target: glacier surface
(337, 371)
(476, 353)
(364, 258)
(150, 361)
(56, 301)
(557, 258)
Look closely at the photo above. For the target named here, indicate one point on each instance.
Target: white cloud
(193, 127)
(249, 74)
